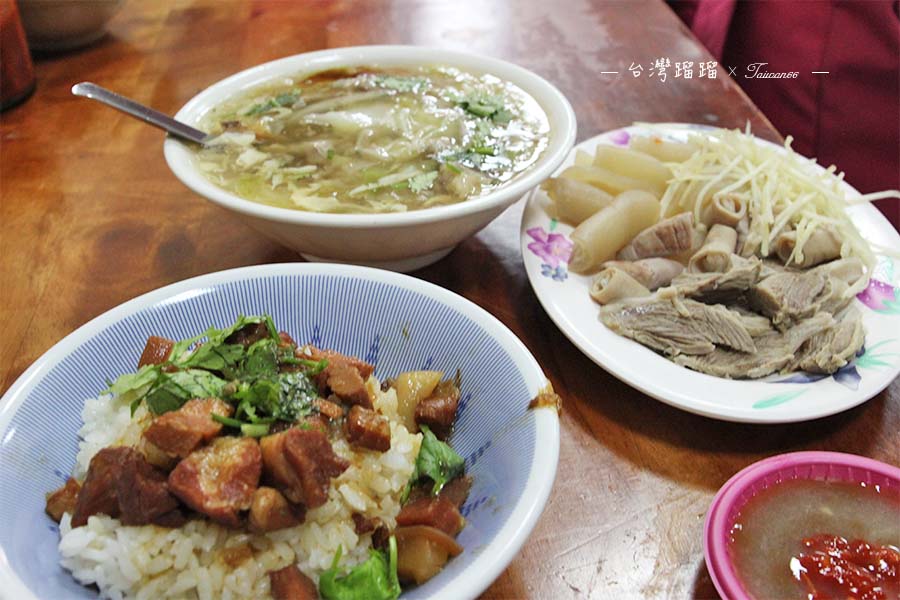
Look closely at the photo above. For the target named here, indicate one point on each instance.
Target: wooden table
(91, 216)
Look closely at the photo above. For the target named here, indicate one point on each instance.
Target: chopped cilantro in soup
(371, 140)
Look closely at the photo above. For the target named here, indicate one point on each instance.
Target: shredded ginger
(782, 189)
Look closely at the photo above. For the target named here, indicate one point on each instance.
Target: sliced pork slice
(776, 351)
(368, 429)
(63, 500)
(849, 270)
(675, 326)
(829, 350)
(840, 276)
(291, 584)
(219, 480)
(756, 325)
(835, 296)
(788, 297)
(742, 274)
(180, 432)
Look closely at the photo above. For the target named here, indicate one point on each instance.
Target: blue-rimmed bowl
(394, 321)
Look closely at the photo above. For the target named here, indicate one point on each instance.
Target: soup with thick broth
(373, 140)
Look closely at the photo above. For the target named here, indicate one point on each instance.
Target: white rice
(205, 560)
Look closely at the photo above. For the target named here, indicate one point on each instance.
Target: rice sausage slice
(291, 584)
(180, 432)
(219, 480)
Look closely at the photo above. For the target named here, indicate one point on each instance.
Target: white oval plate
(778, 399)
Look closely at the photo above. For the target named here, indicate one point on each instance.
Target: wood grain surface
(91, 216)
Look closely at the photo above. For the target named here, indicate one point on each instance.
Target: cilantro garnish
(401, 84)
(487, 106)
(436, 461)
(264, 381)
(422, 182)
(285, 99)
(374, 579)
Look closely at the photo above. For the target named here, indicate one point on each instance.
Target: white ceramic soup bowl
(394, 321)
(398, 241)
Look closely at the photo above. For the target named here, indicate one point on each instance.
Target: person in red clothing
(843, 106)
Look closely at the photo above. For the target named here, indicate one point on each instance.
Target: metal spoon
(144, 113)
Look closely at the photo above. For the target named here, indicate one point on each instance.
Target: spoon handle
(144, 113)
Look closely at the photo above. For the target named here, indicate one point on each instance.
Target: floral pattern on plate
(554, 249)
(881, 297)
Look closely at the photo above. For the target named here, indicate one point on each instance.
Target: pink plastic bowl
(823, 466)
